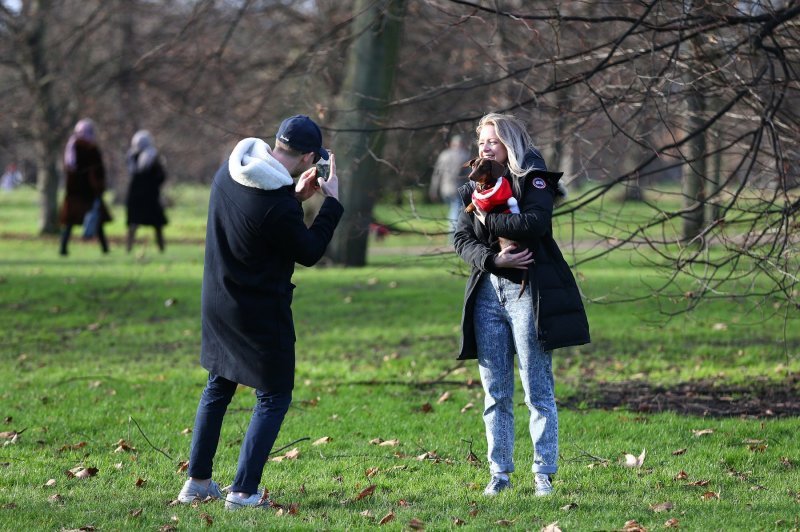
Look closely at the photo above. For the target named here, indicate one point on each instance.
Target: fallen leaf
(682, 475)
(140, 482)
(672, 523)
(183, 465)
(366, 513)
(459, 522)
(372, 471)
(467, 406)
(389, 443)
(366, 492)
(137, 512)
(50, 483)
(376, 441)
(293, 454)
(662, 507)
(679, 452)
(186, 431)
(633, 526)
(634, 461)
(444, 397)
(426, 408)
(416, 524)
(699, 483)
(72, 447)
(707, 496)
(323, 440)
(702, 432)
(570, 506)
(386, 518)
(82, 472)
(504, 522)
(403, 502)
(552, 527)
(55, 498)
(720, 326)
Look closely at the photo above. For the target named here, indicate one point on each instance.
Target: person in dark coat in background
(504, 315)
(85, 183)
(144, 192)
(255, 235)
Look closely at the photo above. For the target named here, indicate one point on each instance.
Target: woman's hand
(508, 259)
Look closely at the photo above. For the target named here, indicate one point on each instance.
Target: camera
(323, 169)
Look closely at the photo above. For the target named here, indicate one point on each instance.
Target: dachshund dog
(493, 193)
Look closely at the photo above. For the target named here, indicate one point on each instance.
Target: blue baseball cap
(300, 133)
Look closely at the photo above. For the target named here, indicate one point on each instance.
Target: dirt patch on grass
(761, 398)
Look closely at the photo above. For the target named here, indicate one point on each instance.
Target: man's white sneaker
(543, 485)
(234, 502)
(192, 489)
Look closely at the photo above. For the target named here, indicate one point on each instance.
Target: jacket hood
(252, 164)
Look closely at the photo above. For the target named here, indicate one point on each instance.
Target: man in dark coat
(255, 235)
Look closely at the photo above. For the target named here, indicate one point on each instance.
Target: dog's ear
(470, 163)
(497, 169)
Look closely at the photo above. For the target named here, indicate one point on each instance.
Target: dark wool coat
(143, 201)
(84, 183)
(561, 316)
(254, 237)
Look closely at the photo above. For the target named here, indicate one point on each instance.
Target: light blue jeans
(505, 324)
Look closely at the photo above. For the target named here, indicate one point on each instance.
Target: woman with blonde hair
(520, 300)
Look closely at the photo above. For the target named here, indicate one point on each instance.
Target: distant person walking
(11, 178)
(255, 236)
(449, 174)
(85, 183)
(144, 192)
(503, 315)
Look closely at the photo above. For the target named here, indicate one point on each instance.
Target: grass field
(98, 349)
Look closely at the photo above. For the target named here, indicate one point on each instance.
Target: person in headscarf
(144, 193)
(85, 183)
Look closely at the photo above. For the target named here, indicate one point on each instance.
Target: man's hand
(307, 184)
(508, 259)
(330, 188)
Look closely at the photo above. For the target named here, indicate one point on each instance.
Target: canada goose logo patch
(539, 183)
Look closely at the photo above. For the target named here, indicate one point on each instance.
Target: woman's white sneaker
(234, 502)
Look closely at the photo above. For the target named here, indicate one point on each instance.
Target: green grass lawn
(98, 349)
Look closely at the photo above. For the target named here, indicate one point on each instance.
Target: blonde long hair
(512, 133)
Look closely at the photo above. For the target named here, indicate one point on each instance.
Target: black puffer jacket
(561, 316)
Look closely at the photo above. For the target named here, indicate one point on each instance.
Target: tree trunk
(45, 124)
(694, 172)
(366, 89)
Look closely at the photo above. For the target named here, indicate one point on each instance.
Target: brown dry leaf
(140, 482)
(372, 471)
(707, 496)
(72, 447)
(428, 455)
(118, 465)
(403, 502)
(662, 507)
(168, 528)
(123, 447)
(472, 458)
(323, 440)
(634, 461)
(55, 498)
(366, 492)
(633, 526)
(389, 443)
(367, 513)
(785, 462)
(552, 527)
(416, 524)
(8, 434)
(183, 465)
(682, 475)
(679, 452)
(137, 512)
(504, 522)
(293, 454)
(376, 441)
(702, 432)
(459, 522)
(473, 512)
(81, 472)
(50, 483)
(186, 431)
(386, 518)
(672, 523)
(206, 519)
(467, 406)
(427, 408)
(699, 483)
(570, 506)
(444, 397)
